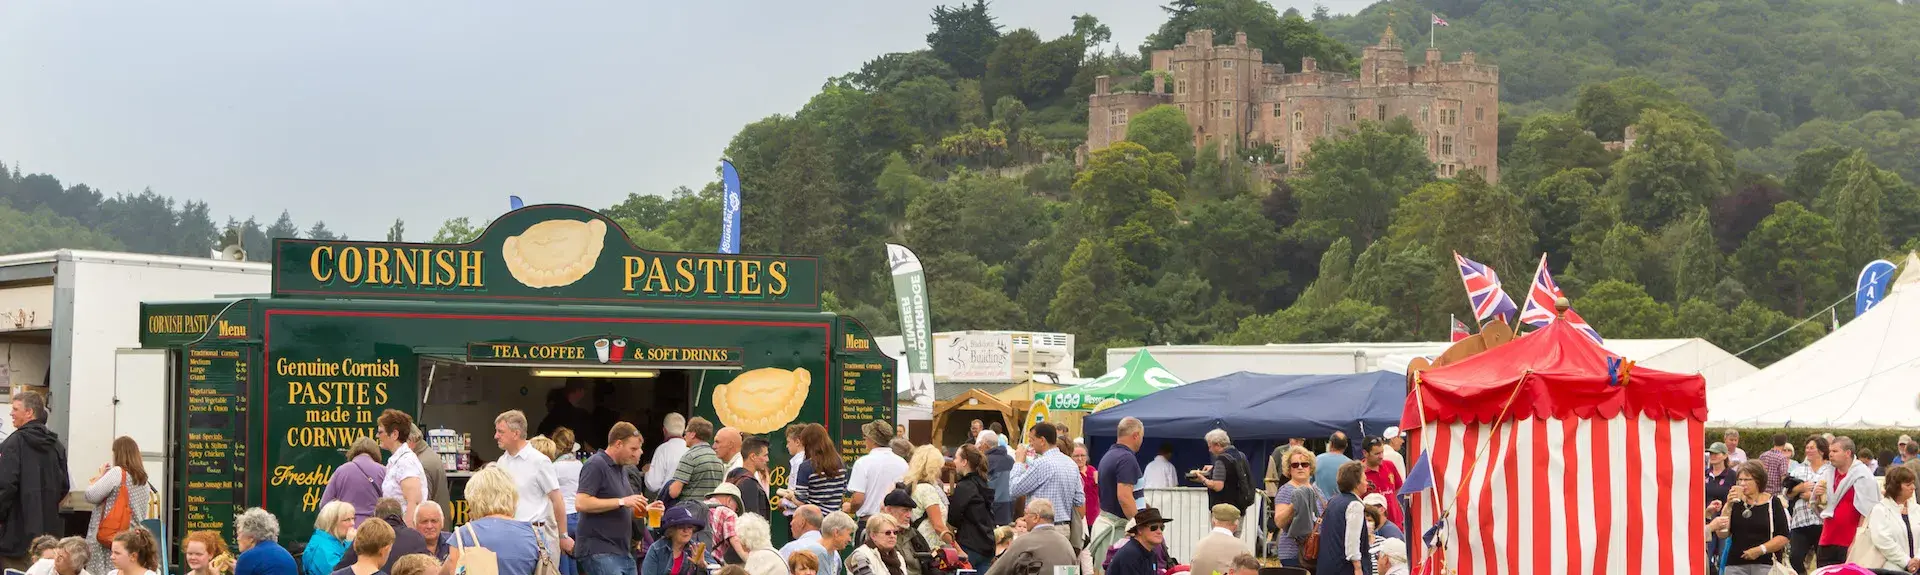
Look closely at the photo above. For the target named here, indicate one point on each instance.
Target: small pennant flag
(1438, 22)
(514, 203)
(1459, 329)
(1419, 478)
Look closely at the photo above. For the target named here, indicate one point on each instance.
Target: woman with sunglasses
(1296, 506)
(881, 554)
(1754, 524)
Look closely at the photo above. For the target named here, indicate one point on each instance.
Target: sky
(358, 112)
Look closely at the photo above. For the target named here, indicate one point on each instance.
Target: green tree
(1282, 39)
(397, 232)
(1673, 167)
(1852, 199)
(1164, 129)
(44, 230)
(1557, 205)
(1025, 67)
(1091, 32)
(929, 103)
(320, 232)
(1744, 326)
(1696, 262)
(964, 36)
(899, 186)
(1812, 169)
(1091, 301)
(969, 295)
(1343, 321)
(646, 211)
(1182, 308)
(1792, 260)
(1549, 144)
(1416, 281)
(1353, 182)
(1336, 272)
(1602, 110)
(1231, 247)
(693, 218)
(283, 227)
(1623, 310)
(458, 230)
(1469, 216)
(258, 246)
(890, 70)
(1130, 195)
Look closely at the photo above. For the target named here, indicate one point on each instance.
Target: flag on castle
(1483, 290)
(1438, 22)
(1540, 304)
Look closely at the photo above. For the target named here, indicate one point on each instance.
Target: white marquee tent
(1866, 374)
(1201, 362)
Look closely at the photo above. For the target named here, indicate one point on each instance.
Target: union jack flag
(1483, 290)
(1540, 304)
(1459, 329)
(1438, 22)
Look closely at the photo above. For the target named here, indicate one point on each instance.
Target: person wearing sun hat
(1145, 535)
(723, 515)
(673, 554)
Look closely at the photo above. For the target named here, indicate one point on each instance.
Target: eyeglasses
(889, 533)
(1300, 465)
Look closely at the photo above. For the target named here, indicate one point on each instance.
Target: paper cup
(600, 348)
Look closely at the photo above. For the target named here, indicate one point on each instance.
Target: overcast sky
(358, 112)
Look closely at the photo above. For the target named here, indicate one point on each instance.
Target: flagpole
(1433, 27)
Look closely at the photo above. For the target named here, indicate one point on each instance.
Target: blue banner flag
(1872, 287)
(514, 203)
(729, 209)
(1420, 478)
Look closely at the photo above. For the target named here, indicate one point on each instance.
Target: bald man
(726, 445)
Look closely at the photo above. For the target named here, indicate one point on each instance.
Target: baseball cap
(1226, 512)
(1375, 499)
(1905, 439)
(1717, 448)
(1391, 433)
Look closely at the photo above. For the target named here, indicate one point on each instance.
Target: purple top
(356, 482)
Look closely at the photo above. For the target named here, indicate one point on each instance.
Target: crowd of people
(997, 505)
(1836, 505)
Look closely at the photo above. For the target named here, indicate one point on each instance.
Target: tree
(1032, 70)
(1604, 111)
(1812, 169)
(1130, 194)
(1673, 167)
(1744, 326)
(398, 232)
(194, 233)
(1469, 216)
(1182, 308)
(1548, 144)
(283, 227)
(458, 230)
(1623, 252)
(1852, 199)
(1623, 310)
(1354, 181)
(1792, 259)
(258, 246)
(645, 211)
(1091, 300)
(1558, 204)
(969, 294)
(1091, 32)
(1738, 213)
(963, 36)
(1343, 321)
(44, 230)
(1164, 129)
(1697, 264)
(1336, 272)
(144, 222)
(929, 103)
(890, 70)
(1416, 281)
(320, 232)
(1282, 39)
(1230, 246)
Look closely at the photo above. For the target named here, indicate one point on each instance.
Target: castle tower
(1384, 63)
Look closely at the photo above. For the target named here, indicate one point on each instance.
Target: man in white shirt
(875, 473)
(666, 458)
(531, 470)
(1160, 473)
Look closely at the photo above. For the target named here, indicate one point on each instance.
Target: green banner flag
(910, 288)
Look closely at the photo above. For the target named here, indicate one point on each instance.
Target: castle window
(1118, 117)
(1213, 85)
(1228, 64)
(1473, 89)
(1479, 114)
(1299, 120)
(1383, 112)
(1469, 132)
(1226, 109)
(1180, 87)
(1424, 113)
(1229, 82)
(1446, 145)
(1276, 111)
(1473, 150)
(1352, 114)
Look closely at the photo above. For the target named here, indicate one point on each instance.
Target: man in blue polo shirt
(607, 505)
(1119, 471)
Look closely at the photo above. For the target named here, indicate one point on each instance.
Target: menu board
(865, 380)
(216, 449)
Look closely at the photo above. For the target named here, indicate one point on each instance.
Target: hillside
(1773, 159)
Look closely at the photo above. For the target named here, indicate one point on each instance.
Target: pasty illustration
(763, 400)
(554, 253)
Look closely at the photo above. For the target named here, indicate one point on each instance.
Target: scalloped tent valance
(1555, 372)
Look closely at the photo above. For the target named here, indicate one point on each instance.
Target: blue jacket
(266, 558)
(659, 562)
(323, 551)
(1333, 540)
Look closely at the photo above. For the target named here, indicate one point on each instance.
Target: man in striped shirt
(1050, 475)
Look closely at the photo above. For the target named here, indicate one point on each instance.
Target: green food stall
(266, 400)
(1135, 379)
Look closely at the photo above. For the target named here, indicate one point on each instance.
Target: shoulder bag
(475, 560)
(549, 561)
(119, 518)
(1779, 561)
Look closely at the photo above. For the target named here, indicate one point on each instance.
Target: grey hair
(414, 437)
(1130, 426)
(516, 420)
(989, 438)
(1040, 508)
(77, 550)
(415, 516)
(34, 402)
(809, 515)
(837, 523)
(754, 532)
(675, 425)
(258, 524)
(1218, 438)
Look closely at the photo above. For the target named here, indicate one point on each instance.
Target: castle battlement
(1230, 94)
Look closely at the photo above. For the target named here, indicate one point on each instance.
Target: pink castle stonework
(1231, 96)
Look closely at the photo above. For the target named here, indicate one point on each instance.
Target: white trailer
(71, 326)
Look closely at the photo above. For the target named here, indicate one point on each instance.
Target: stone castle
(1231, 96)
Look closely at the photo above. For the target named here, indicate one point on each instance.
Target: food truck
(268, 397)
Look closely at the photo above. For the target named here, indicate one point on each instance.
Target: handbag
(1779, 561)
(119, 518)
(475, 560)
(549, 561)
(1310, 550)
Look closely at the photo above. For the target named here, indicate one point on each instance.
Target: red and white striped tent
(1548, 459)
